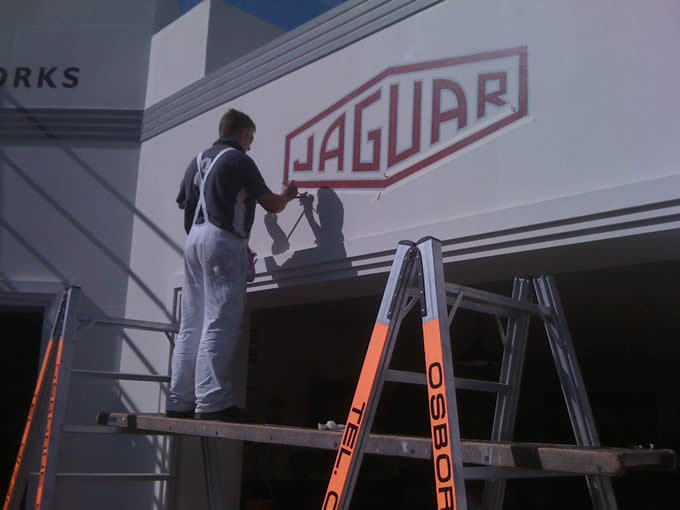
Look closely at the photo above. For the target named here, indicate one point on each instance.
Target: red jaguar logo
(407, 118)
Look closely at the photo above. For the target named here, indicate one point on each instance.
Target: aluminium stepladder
(57, 352)
(422, 263)
(45, 425)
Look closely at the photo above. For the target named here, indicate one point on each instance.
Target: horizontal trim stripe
(336, 29)
(627, 222)
(75, 124)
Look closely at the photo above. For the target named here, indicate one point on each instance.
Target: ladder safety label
(355, 420)
(349, 437)
(441, 444)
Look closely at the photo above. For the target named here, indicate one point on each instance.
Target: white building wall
(596, 143)
(107, 41)
(178, 54)
(70, 197)
(66, 204)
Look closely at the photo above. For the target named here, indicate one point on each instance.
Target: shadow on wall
(101, 256)
(79, 163)
(6, 284)
(329, 255)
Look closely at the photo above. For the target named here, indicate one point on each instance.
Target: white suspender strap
(201, 183)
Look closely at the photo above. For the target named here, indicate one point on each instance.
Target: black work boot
(179, 414)
(232, 414)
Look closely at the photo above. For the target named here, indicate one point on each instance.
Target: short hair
(234, 121)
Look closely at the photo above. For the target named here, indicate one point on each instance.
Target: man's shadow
(329, 240)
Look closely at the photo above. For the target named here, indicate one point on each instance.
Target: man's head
(239, 126)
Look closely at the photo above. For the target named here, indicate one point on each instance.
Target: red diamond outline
(520, 52)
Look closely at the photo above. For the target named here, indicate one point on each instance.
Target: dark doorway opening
(305, 359)
(19, 365)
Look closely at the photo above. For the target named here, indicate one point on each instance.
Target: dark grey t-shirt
(231, 189)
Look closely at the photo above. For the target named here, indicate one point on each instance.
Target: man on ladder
(218, 195)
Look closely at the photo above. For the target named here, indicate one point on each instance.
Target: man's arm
(256, 186)
(276, 203)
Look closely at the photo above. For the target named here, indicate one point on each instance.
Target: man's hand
(289, 191)
(274, 203)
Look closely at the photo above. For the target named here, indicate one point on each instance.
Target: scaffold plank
(556, 458)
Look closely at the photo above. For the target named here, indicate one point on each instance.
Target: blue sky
(286, 14)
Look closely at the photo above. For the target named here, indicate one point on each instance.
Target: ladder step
(479, 297)
(478, 385)
(134, 477)
(466, 304)
(525, 456)
(461, 383)
(120, 375)
(130, 323)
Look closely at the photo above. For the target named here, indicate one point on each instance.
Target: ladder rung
(478, 385)
(466, 304)
(130, 323)
(487, 307)
(496, 299)
(403, 376)
(461, 383)
(136, 477)
(121, 376)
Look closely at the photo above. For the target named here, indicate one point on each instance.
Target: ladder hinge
(400, 284)
(421, 285)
